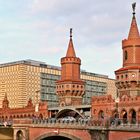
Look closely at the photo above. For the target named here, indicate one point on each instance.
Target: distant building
(26, 79)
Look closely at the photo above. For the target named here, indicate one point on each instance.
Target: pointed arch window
(125, 55)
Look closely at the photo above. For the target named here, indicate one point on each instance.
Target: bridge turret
(70, 88)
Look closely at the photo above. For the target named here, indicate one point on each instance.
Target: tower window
(126, 76)
(125, 55)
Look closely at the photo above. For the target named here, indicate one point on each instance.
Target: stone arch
(69, 112)
(62, 104)
(40, 116)
(115, 114)
(124, 115)
(19, 135)
(132, 116)
(101, 114)
(71, 137)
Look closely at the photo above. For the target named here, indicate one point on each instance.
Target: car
(68, 119)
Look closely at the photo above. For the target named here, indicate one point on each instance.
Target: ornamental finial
(134, 7)
(70, 32)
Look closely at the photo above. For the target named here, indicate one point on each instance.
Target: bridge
(41, 129)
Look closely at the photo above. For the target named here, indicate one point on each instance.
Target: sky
(39, 30)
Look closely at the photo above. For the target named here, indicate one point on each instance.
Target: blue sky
(39, 30)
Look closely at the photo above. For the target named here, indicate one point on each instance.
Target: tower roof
(70, 51)
(133, 32)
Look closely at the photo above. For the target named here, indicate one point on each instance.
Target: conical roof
(134, 32)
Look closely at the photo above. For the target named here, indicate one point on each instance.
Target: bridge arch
(69, 112)
(57, 135)
(124, 115)
(19, 135)
(132, 116)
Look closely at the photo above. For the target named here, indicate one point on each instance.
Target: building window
(125, 55)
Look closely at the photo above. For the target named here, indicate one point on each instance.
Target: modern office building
(26, 79)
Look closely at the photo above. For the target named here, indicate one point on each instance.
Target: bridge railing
(90, 123)
(6, 123)
(106, 123)
(61, 122)
(58, 121)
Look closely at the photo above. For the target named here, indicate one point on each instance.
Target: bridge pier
(21, 133)
(99, 134)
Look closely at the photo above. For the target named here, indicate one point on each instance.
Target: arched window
(132, 115)
(101, 114)
(125, 55)
(19, 135)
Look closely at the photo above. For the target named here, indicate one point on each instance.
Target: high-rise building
(26, 79)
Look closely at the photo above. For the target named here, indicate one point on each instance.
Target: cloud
(39, 29)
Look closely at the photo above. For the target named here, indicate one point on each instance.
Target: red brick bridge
(28, 129)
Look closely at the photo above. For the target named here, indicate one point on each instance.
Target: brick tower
(128, 77)
(70, 88)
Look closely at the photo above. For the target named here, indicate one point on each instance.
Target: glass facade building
(48, 89)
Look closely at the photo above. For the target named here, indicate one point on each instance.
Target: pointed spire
(5, 103)
(134, 32)
(70, 51)
(5, 97)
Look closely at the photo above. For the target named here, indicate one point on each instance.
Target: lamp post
(117, 101)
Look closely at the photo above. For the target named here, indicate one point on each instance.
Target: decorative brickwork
(29, 111)
(103, 106)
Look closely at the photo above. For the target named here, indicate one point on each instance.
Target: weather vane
(134, 7)
(70, 32)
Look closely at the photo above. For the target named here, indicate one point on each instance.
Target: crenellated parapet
(126, 101)
(75, 60)
(102, 99)
(70, 88)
